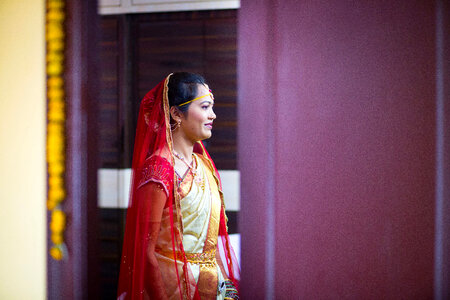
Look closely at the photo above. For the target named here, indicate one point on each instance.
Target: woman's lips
(209, 125)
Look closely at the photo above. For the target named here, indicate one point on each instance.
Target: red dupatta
(153, 162)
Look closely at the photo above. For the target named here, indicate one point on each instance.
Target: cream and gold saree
(200, 210)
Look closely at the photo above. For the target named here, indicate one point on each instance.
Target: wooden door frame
(76, 276)
(442, 213)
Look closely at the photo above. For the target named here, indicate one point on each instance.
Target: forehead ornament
(198, 98)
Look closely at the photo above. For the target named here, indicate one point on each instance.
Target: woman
(176, 244)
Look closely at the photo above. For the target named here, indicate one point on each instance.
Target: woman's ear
(176, 114)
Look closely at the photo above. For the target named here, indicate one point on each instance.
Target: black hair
(183, 86)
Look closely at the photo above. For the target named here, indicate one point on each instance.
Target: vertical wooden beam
(256, 145)
(442, 222)
(75, 277)
(127, 37)
(82, 78)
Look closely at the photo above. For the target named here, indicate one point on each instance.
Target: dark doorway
(137, 52)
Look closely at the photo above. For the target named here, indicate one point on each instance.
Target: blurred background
(138, 50)
(332, 140)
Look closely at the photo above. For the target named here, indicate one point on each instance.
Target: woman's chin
(206, 136)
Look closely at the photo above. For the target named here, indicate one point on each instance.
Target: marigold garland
(55, 16)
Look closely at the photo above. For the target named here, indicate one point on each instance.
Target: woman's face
(197, 122)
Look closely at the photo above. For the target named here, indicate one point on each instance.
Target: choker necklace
(191, 168)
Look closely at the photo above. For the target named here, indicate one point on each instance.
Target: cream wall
(22, 150)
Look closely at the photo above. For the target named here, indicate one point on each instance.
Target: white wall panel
(114, 186)
(109, 7)
(109, 3)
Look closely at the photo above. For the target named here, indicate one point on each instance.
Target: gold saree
(200, 211)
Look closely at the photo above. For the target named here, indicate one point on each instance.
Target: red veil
(153, 163)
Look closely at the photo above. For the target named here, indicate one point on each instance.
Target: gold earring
(173, 127)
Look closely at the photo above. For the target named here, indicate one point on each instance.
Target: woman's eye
(205, 107)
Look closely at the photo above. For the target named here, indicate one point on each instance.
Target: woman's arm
(153, 210)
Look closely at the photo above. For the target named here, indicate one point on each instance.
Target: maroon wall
(337, 148)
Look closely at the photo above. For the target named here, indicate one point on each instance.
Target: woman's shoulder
(157, 160)
(156, 168)
(202, 159)
(206, 162)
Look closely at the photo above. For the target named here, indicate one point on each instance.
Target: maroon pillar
(337, 149)
(442, 227)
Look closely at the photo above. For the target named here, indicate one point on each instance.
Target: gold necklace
(191, 168)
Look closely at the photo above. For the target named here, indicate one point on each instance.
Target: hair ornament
(198, 98)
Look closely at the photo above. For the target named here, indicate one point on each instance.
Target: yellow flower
(54, 128)
(58, 221)
(54, 68)
(54, 157)
(51, 204)
(55, 93)
(55, 14)
(56, 194)
(55, 45)
(55, 149)
(54, 57)
(55, 141)
(55, 181)
(56, 253)
(54, 30)
(57, 238)
(56, 168)
(57, 111)
(55, 4)
(56, 184)
(55, 154)
(55, 82)
(55, 115)
(56, 103)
